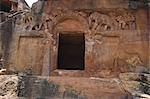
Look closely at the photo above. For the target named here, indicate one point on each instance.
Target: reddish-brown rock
(104, 37)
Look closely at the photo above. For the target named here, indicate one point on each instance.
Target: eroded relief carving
(101, 22)
(127, 61)
(107, 22)
(126, 21)
(29, 24)
(44, 25)
(26, 21)
(97, 21)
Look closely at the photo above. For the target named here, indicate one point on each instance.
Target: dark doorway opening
(71, 51)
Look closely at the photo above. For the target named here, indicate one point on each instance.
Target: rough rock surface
(116, 36)
(23, 86)
(116, 40)
(8, 86)
(138, 84)
(71, 88)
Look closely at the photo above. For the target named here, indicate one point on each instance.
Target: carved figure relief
(44, 25)
(126, 21)
(27, 21)
(101, 22)
(97, 21)
(126, 61)
(107, 22)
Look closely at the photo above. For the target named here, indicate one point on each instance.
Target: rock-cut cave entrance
(71, 51)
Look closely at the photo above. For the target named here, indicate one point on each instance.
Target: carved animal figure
(101, 22)
(44, 25)
(127, 61)
(130, 21)
(126, 21)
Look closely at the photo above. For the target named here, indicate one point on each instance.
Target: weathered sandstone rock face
(25, 86)
(71, 88)
(76, 42)
(104, 37)
(129, 86)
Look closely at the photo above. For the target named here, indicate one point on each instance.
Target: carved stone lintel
(95, 22)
